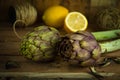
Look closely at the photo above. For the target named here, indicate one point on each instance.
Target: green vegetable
(39, 45)
(82, 47)
(110, 46)
(108, 19)
(106, 35)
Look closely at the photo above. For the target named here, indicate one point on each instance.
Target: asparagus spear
(110, 46)
(106, 35)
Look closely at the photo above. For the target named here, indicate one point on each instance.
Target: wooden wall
(87, 7)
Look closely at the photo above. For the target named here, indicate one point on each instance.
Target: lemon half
(75, 21)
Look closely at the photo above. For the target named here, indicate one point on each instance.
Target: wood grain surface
(9, 45)
(9, 51)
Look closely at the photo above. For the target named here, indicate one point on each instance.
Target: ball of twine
(22, 14)
(109, 19)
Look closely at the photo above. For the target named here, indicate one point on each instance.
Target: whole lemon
(55, 15)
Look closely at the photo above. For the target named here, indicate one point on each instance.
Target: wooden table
(9, 52)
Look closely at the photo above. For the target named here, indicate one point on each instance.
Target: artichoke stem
(110, 46)
(106, 35)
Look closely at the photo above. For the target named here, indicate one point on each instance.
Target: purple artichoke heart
(80, 47)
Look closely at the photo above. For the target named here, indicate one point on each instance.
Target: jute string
(25, 14)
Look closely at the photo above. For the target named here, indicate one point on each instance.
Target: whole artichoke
(80, 47)
(108, 19)
(39, 45)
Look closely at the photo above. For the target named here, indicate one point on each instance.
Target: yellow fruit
(55, 15)
(75, 21)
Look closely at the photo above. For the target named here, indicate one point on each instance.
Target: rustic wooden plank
(9, 45)
(9, 52)
(8, 31)
(54, 66)
(51, 75)
(83, 76)
(112, 54)
(18, 58)
(9, 48)
(9, 35)
(28, 65)
(38, 78)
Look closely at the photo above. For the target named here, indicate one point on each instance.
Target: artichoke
(39, 45)
(108, 19)
(80, 47)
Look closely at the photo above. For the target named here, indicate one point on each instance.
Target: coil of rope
(22, 13)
